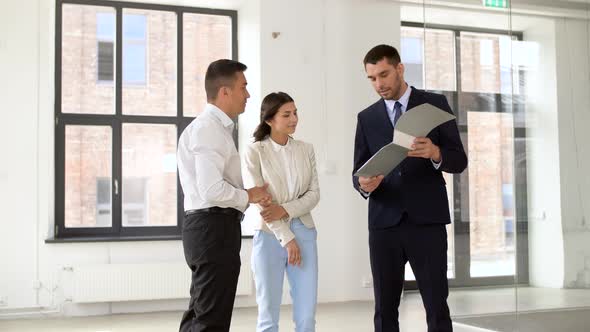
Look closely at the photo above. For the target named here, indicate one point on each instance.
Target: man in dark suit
(408, 208)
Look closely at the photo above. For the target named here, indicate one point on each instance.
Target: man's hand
(424, 148)
(258, 194)
(273, 212)
(293, 253)
(369, 184)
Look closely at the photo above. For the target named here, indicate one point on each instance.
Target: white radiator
(137, 282)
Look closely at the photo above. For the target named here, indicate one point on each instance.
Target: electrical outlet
(367, 282)
(328, 167)
(3, 301)
(36, 284)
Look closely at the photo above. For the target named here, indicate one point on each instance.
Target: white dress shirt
(209, 164)
(403, 100)
(285, 153)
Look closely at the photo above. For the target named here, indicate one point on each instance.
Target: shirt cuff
(283, 233)
(435, 164)
(243, 200)
(364, 193)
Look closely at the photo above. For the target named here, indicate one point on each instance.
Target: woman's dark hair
(270, 106)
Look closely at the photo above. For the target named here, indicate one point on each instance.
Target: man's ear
(223, 91)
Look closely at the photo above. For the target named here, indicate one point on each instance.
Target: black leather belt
(215, 209)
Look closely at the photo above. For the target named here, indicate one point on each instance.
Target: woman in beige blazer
(285, 236)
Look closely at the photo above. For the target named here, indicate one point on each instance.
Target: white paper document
(416, 122)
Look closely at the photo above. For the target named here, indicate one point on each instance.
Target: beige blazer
(263, 165)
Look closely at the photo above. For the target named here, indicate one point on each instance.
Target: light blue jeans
(269, 264)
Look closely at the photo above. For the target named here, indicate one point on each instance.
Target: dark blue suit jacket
(415, 187)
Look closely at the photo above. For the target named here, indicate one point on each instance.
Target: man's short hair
(221, 73)
(379, 52)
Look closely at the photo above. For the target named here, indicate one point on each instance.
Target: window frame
(461, 227)
(115, 122)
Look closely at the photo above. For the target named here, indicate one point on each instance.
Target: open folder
(416, 122)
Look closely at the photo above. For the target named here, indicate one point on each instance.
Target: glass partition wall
(516, 74)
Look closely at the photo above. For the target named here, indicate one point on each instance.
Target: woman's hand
(293, 253)
(273, 212)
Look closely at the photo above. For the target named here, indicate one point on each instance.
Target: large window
(129, 79)
(476, 70)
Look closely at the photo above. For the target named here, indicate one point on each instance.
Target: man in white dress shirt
(214, 199)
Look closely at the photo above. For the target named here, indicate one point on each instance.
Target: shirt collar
(277, 147)
(215, 111)
(404, 100)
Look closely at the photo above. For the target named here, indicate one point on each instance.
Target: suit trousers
(212, 242)
(425, 247)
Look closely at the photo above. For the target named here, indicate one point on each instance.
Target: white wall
(249, 53)
(573, 95)
(318, 61)
(19, 136)
(544, 207)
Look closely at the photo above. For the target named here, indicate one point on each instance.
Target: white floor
(331, 317)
